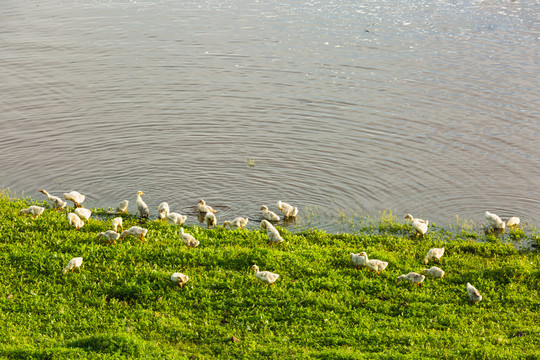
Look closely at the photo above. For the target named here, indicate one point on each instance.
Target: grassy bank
(123, 305)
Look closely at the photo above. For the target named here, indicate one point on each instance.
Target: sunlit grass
(123, 305)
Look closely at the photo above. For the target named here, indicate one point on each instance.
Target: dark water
(346, 107)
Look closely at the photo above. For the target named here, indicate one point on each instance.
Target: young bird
(203, 208)
(494, 222)
(238, 222)
(269, 215)
(163, 210)
(116, 222)
(76, 197)
(179, 278)
(412, 277)
(210, 220)
(419, 225)
(434, 272)
(109, 236)
(473, 293)
(287, 209)
(374, 265)
(142, 207)
(176, 218)
(83, 214)
(120, 208)
(358, 260)
(435, 253)
(74, 220)
(33, 210)
(264, 276)
(136, 231)
(188, 239)
(273, 235)
(74, 263)
(56, 202)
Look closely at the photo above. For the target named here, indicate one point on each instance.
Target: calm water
(422, 106)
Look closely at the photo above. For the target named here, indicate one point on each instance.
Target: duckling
(412, 277)
(188, 239)
(74, 263)
(116, 222)
(238, 222)
(421, 226)
(33, 210)
(136, 231)
(374, 265)
(358, 260)
(76, 197)
(494, 222)
(179, 278)
(120, 208)
(434, 272)
(513, 221)
(74, 220)
(110, 236)
(265, 276)
(163, 210)
(271, 231)
(176, 218)
(473, 293)
(141, 205)
(287, 209)
(57, 203)
(210, 220)
(269, 215)
(203, 208)
(83, 213)
(435, 253)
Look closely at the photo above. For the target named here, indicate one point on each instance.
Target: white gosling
(121, 207)
(74, 263)
(179, 278)
(435, 253)
(188, 239)
(513, 221)
(494, 222)
(286, 209)
(203, 208)
(265, 276)
(434, 272)
(83, 213)
(210, 220)
(136, 231)
(358, 260)
(33, 210)
(419, 225)
(273, 235)
(117, 222)
(141, 206)
(56, 202)
(75, 221)
(76, 197)
(473, 293)
(109, 236)
(238, 222)
(374, 265)
(163, 210)
(269, 215)
(176, 218)
(413, 277)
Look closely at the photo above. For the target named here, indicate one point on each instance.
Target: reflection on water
(422, 107)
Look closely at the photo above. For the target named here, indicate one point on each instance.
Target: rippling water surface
(422, 106)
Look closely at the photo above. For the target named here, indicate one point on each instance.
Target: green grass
(122, 304)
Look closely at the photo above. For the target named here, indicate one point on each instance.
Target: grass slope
(122, 304)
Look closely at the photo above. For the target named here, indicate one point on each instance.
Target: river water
(338, 107)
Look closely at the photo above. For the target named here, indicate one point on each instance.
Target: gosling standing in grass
(419, 225)
(56, 202)
(117, 222)
(373, 264)
(109, 236)
(188, 239)
(136, 231)
(76, 197)
(265, 276)
(268, 215)
(176, 218)
(413, 277)
(142, 207)
(434, 272)
(273, 235)
(435, 253)
(83, 214)
(287, 210)
(358, 260)
(473, 293)
(74, 263)
(179, 278)
(33, 210)
(75, 221)
(120, 208)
